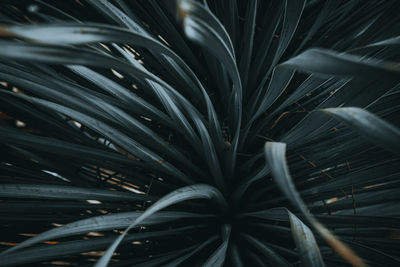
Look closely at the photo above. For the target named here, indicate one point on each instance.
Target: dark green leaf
(199, 191)
(327, 62)
(275, 155)
(370, 126)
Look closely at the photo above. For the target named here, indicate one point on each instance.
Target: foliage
(133, 133)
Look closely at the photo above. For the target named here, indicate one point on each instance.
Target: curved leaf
(328, 62)
(43, 191)
(113, 134)
(369, 125)
(305, 243)
(274, 257)
(199, 191)
(275, 155)
(73, 247)
(102, 223)
(218, 257)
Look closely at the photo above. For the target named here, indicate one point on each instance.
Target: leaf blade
(182, 194)
(369, 126)
(275, 156)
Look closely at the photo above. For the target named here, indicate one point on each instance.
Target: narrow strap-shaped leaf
(235, 256)
(379, 256)
(328, 62)
(161, 260)
(271, 17)
(151, 140)
(305, 243)
(197, 23)
(291, 18)
(197, 28)
(308, 86)
(70, 33)
(230, 17)
(369, 125)
(247, 42)
(388, 42)
(120, 92)
(275, 156)
(187, 7)
(102, 223)
(209, 150)
(283, 214)
(275, 214)
(202, 27)
(166, 25)
(198, 191)
(42, 191)
(280, 79)
(118, 16)
(77, 246)
(292, 15)
(240, 190)
(68, 55)
(59, 147)
(329, 6)
(180, 260)
(114, 135)
(218, 257)
(310, 126)
(274, 258)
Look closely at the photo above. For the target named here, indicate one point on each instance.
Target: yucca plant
(161, 133)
